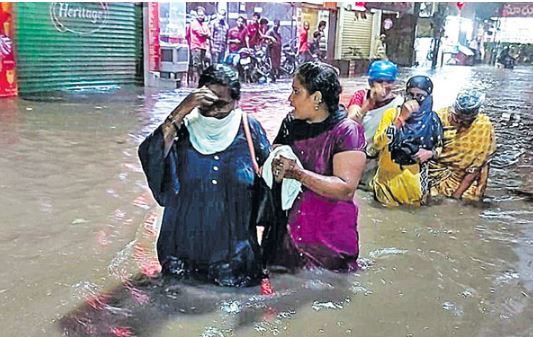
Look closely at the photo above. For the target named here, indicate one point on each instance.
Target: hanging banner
(8, 85)
(154, 47)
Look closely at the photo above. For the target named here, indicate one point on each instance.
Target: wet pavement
(78, 229)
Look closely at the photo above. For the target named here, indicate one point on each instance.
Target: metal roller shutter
(68, 45)
(356, 33)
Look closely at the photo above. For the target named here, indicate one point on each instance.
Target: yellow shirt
(468, 151)
(394, 185)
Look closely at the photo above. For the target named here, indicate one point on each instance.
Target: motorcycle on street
(254, 65)
(289, 60)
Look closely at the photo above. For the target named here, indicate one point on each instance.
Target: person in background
(367, 106)
(252, 31)
(321, 228)
(314, 46)
(199, 35)
(219, 36)
(274, 48)
(323, 43)
(265, 39)
(406, 138)
(461, 171)
(199, 167)
(303, 44)
(236, 37)
(380, 51)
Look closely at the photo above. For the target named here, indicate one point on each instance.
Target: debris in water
(79, 221)
(386, 251)
(453, 308)
(507, 277)
(317, 306)
(266, 287)
(212, 332)
(233, 307)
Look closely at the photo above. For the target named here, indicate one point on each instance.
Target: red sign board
(8, 83)
(518, 9)
(154, 48)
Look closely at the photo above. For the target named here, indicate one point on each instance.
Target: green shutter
(73, 52)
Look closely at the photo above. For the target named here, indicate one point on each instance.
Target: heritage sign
(83, 18)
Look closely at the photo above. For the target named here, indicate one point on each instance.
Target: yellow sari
(466, 152)
(394, 185)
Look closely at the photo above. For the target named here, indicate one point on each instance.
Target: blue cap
(382, 70)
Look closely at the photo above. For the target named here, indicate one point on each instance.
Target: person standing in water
(320, 228)
(461, 171)
(367, 106)
(406, 138)
(198, 166)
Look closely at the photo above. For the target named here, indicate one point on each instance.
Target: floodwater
(78, 226)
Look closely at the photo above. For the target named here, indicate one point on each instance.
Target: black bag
(266, 206)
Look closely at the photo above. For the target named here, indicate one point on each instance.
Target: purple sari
(319, 231)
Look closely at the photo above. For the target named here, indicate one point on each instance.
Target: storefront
(8, 84)
(314, 14)
(70, 45)
(355, 27)
(398, 24)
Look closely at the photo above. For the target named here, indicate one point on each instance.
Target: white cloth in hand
(290, 188)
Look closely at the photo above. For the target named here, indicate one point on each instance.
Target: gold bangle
(170, 119)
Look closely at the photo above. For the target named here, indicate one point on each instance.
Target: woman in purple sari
(320, 229)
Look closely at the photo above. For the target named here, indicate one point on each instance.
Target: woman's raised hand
(408, 108)
(202, 98)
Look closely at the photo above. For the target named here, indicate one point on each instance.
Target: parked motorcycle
(263, 63)
(289, 61)
(246, 65)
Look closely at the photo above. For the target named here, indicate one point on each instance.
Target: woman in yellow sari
(406, 139)
(461, 170)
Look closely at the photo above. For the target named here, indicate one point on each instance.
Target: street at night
(80, 221)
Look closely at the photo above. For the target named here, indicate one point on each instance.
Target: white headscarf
(210, 135)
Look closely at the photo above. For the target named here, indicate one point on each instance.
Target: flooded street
(79, 224)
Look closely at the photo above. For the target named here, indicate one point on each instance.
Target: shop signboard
(404, 7)
(154, 47)
(518, 9)
(8, 84)
(83, 18)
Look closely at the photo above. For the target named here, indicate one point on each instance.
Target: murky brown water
(77, 229)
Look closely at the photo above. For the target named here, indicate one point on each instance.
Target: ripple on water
(453, 308)
(507, 277)
(212, 332)
(384, 252)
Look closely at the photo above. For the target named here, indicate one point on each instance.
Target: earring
(317, 105)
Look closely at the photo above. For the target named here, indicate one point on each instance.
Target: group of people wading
(213, 169)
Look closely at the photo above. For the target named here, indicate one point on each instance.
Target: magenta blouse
(322, 231)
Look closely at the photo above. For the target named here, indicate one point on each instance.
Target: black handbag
(267, 206)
